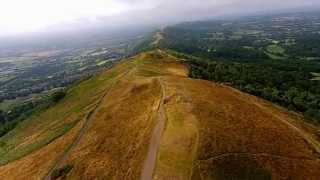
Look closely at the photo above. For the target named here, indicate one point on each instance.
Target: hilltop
(146, 118)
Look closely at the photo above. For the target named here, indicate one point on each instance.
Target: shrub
(61, 172)
(57, 96)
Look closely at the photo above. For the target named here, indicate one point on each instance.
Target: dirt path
(63, 158)
(224, 155)
(150, 161)
(315, 144)
(307, 137)
(157, 38)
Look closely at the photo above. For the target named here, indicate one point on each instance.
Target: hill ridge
(146, 119)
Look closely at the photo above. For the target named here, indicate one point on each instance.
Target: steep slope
(146, 119)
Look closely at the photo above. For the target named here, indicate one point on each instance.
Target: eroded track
(151, 158)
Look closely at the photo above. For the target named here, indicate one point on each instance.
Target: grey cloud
(163, 12)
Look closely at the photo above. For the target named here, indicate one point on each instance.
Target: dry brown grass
(238, 135)
(115, 144)
(212, 131)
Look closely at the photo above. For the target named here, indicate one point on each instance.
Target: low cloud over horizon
(43, 15)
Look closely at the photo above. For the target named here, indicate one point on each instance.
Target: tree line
(289, 88)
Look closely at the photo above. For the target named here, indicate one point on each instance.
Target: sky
(21, 16)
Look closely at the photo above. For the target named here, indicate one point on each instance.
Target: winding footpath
(313, 143)
(88, 120)
(150, 161)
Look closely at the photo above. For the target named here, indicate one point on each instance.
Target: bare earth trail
(157, 38)
(306, 136)
(90, 116)
(150, 161)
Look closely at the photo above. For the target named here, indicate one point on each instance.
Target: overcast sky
(17, 16)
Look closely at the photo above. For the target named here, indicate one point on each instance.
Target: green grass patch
(7, 104)
(8, 153)
(273, 56)
(236, 37)
(275, 49)
(248, 47)
(316, 76)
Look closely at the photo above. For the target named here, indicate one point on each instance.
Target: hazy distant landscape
(36, 66)
(275, 57)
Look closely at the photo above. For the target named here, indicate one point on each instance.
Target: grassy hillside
(145, 118)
